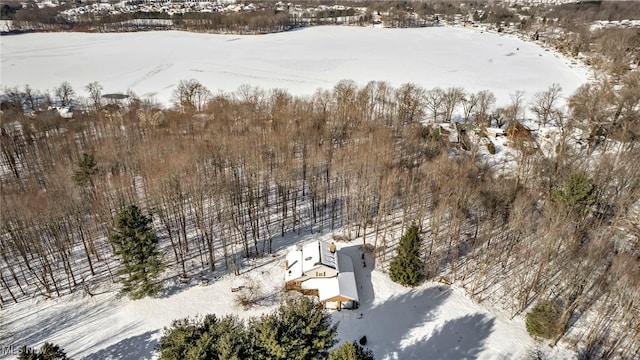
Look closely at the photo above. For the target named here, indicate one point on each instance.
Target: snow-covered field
(152, 63)
(429, 322)
(432, 321)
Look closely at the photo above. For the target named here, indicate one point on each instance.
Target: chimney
(286, 264)
(332, 247)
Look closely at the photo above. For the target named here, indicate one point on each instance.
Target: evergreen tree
(177, 340)
(87, 167)
(137, 245)
(211, 338)
(48, 351)
(351, 351)
(542, 320)
(406, 267)
(577, 193)
(299, 329)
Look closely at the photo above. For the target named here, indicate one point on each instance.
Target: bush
(351, 351)
(363, 340)
(48, 351)
(491, 148)
(542, 320)
(578, 192)
(249, 295)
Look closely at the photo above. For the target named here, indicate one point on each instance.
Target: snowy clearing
(152, 63)
(432, 321)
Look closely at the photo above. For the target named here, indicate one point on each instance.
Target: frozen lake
(152, 63)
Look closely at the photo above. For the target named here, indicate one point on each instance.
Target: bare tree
(469, 104)
(95, 95)
(450, 100)
(190, 96)
(65, 93)
(514, 110)
(486, 100)
(410, 100)
(434, 99)
(544, 103)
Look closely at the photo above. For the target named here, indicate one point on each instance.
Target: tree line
(223, 175)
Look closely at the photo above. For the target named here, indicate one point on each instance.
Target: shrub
(48, 351)
(542, 320)
(363, 340)
(578, 192)
(249, 295)
(491, 148)
(351, 351)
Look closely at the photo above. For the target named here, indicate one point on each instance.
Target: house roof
(307, 257)
(344, 286)
(310, 256)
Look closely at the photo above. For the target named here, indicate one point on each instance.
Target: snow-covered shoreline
(152, 63)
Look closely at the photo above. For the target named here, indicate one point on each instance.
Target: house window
(319, 274)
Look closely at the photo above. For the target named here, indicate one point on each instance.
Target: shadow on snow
(137, 347)
(457, 339)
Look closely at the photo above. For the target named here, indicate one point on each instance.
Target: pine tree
(177, 340)
(406, 267)
(299, 329)
(48, 351)
(137, 245)
(542, 320)
(87, 167)
(351, 351)
(577, 193)
(211, 338)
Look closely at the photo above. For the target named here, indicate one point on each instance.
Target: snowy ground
(428, 322)
(432, 321)
(152, 63)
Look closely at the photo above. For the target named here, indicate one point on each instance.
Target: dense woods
(359, 161)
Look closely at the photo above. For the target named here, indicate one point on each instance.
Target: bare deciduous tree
(544, 103)
(65, 93)
(190, 95)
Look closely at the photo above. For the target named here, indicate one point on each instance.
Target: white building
(319, 269)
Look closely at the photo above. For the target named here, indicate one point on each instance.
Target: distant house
(493, 132)
(516, 131)
(521, 137)
(317, 268)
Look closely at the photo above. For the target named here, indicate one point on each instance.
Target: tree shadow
(461, 338)
(398, 316)
(132, 348)
(51, 323)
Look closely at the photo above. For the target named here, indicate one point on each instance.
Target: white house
(318, 268)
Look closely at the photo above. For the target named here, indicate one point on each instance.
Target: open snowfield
(432, 321)
(152, 63)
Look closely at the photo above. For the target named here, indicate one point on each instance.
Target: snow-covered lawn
(152, 63)
(432, 321)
